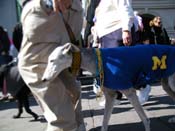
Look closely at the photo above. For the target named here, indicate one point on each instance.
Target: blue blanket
(126, 67)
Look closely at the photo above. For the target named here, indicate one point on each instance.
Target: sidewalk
(159, 109)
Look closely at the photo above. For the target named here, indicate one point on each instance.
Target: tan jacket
(43, 32)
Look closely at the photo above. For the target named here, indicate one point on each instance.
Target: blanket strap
(76, 63)
(100, 67)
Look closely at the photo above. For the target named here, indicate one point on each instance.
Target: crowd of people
(46, 24)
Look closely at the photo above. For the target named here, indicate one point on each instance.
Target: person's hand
(127, 39)
(61, 5)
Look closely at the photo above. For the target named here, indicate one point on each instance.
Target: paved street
(159, 109)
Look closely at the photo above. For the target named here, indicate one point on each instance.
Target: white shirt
(112, 15)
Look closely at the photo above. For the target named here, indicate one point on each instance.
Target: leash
(69, 31)
(76, 60)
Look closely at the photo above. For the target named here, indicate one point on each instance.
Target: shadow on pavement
(154, 103)
(159, 124)
(13, 104)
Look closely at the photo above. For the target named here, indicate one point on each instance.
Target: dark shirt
(17, 36)
(159, 35)
(4, 42)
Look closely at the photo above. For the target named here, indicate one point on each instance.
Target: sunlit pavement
(159, 108)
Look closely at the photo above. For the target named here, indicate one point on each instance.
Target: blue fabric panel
(125, 67)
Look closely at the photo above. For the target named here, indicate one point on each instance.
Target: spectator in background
(4, 42)
(17, 31)
(158, 34)
(114, 31)
(143, 92)
(4, 58)
(17, 36)
(13, 51)
(173, 39)
(138, 27)
(113, 22)
(117, 25)
(89, 21)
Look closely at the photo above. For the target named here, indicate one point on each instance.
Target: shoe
(143, 94)
(102, 103)
(16, 116)
(35, 117)
(4, 98)
(97, 89)
(11, 98)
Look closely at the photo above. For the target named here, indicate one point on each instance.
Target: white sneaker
(102, 103)
(143, 94)
(97, 89)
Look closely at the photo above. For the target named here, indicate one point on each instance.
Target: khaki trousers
(58, 100)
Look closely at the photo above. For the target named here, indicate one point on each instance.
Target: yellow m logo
(159, 63)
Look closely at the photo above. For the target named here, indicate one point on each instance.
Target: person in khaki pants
(43, 31)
